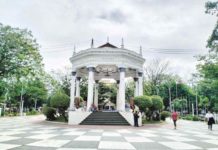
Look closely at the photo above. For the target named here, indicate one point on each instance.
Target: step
(104, 118)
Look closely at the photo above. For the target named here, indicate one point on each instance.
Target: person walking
(210, 120)
(174, 117)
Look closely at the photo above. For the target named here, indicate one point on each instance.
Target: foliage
(143, 102)
(150, 105)
(107, 91)
(154, 72)
(60, 119)
(164, 115)
(208, 66)
(33, 112)
(19, 53)
(195, 118)
(130, 86)
(211, 7)
(60, 101)
(21, 69)
(84, 88)
(191, 117)
(157, 102)
(49, 112)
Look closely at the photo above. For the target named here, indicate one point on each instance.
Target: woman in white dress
(210, 120)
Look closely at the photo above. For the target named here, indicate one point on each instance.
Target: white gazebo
(106, 61)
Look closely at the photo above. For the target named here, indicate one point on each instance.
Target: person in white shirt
(210, 120)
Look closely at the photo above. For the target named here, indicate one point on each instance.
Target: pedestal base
(76, 117)
(130, 119)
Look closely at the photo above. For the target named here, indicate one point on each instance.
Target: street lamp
(196, 99)
(176, 89)
(21, 97)
(170, 101)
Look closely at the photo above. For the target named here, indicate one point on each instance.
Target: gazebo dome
(107, 55)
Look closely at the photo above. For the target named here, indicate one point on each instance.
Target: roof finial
(74, 50)
(92, 43)
(107, 39)
(140, 50)
(122, 43)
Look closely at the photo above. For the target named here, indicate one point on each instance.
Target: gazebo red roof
(107, 45)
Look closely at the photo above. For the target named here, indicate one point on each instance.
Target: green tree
(208, 64)
(19, 53)
(60, 100)
(19, 59)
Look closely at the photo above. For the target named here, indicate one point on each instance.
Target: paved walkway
(32, 133)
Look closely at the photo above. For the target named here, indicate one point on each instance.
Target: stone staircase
(104, 118)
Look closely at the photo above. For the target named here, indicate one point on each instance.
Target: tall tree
(208, 64)
(20, 61)
(19, 53)
(154, 73)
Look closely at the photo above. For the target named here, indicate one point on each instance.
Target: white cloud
(58, 25)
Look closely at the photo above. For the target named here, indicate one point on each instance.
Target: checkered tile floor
(25, 134)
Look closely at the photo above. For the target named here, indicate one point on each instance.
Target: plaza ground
(33, 133)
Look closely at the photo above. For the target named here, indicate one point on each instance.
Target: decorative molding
(105, 56)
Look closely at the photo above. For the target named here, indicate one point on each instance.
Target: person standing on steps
(174, 117)
(135, 111)
(210, 120)
(136, 115)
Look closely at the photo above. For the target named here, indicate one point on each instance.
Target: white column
(140, 82)
(96, 94)
(77, 86)
(72, 90)
(122, 90)
(90, 88)
(136, 93)
(117, 100)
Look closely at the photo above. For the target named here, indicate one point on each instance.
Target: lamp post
(21, 98)
(196, 100)
(176, 89)
(170, 101)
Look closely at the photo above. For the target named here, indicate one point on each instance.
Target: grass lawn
(144, 121)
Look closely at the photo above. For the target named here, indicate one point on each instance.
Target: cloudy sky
(170, 30)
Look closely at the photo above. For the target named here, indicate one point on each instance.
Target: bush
(164, 115)
(157, 102)
(143, 102)
(61, 101)
(188, 117)
(49, 112)
(33, 112)
(195, 118)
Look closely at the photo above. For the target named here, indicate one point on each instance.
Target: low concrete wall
(76, 117)
(130, 119)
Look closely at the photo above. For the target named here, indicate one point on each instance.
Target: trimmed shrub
(49, 112)
(195, 118)
(164, 115)
(143, 102)
(157, 102)
(61, 101)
